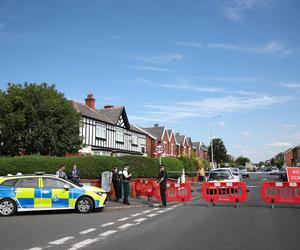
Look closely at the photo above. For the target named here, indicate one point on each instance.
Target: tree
(277, 160)
(219, 150)
(37, 119)
(241, 161)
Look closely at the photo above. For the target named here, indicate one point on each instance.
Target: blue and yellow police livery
(46, 192)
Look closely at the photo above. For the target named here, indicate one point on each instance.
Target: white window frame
(134, 139)
(119, 135)
(100, 130)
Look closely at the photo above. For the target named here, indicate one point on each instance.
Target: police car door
(28, 193)
(54, 193)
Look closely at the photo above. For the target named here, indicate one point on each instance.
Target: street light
(211, 139)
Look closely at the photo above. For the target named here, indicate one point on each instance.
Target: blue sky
(175, 63)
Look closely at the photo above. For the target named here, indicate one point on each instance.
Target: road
(254, 225)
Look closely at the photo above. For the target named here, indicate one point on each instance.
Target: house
(182, 144)
(172, 143)
(292, 156)
(200, 150)
(158, 135)
(107, 131)
(189, 146)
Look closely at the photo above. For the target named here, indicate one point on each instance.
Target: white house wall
(88, 132)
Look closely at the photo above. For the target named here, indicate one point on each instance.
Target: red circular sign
(160, 149)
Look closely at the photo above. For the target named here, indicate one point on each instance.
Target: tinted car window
(53, 183)
(28, 183)
(219, 175)
(9, 183)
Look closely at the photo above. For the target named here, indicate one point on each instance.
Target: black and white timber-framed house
(107, 131)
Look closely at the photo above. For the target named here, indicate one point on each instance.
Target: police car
(46, 192)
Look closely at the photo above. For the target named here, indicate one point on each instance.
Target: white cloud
(279, 144)
(246, 133)
(289, 125)
(221, 124)
(270, 48)
(291, 85)
(236, 9)
(229, 79)
(149, 68)
(115, 37)
(232, 103)
(161, 59)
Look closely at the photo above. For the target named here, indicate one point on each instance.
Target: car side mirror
(66, 187)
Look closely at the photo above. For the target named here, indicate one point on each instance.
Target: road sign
(160, 149)
(293, 174)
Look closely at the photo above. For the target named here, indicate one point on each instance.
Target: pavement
(254, 225)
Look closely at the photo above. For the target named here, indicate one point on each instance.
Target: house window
(119, 135)
(143, 150)
(172, 149)
(134, 139)
(100, 130)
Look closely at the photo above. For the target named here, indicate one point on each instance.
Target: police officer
(126, 177)
(162, 181)
(75, 174)
(116, 183)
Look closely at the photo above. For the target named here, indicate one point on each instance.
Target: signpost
(293, 174)
(160, 149)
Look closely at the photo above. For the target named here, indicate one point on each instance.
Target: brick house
(172, 143)
(158, 135)
(182, 144)
(189, 146)
(200, 150)
(107, 131)
(292, 156)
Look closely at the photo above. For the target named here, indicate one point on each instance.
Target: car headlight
(100, 193)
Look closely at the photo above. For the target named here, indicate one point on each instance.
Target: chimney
(108, 106)
(177, 134)
(156, 125)
(90, 101)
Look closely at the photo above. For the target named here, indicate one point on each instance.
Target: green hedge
(89, 166)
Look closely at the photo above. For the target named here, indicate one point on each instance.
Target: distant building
(200, 150)
(107, 131)
(292, 156)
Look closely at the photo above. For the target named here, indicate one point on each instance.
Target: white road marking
(252, 186)
(108, 224)
(61, 241)
(151, 215)
(109, 232)
(36, 248)
(161, 211)
(87, 231)
(82, 244)
(140, 220)
(125, 226)
(170, 208)
(123, 219)
(147, 211)
(135, 215)
(155, 209)
(174, 206)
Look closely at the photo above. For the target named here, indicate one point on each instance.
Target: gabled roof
(114, 114)
(89, 112)
(156, 132)
(180, 139)
(189, 140)
(137, 129)
(197, 145)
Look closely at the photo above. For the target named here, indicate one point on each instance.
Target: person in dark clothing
(162, 181)
(75, 174)
(116, 183)
(126, 177)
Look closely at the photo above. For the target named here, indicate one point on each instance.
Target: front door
(54, 194)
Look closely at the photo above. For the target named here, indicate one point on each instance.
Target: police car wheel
(7, 207)
(84, 205)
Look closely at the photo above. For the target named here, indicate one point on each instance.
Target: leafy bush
(91, 166)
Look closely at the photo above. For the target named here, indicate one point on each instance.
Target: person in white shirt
(126, 184)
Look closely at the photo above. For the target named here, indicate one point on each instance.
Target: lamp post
(211, 139)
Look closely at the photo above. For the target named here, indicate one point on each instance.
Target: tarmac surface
(195, 225)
